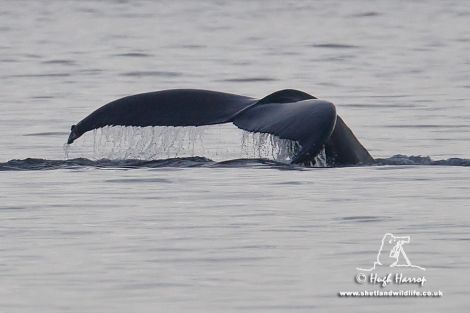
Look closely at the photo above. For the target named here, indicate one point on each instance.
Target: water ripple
(364, 219)
(248, 79)
(335, 46)
(132, 55)
(152, 73)
(32, 164)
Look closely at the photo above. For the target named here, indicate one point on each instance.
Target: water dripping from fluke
(215, 142)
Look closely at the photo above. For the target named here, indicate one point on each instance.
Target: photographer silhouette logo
(392, 254)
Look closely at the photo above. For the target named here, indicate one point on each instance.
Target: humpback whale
(288, 114)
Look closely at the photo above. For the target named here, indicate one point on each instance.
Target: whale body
(288, 114)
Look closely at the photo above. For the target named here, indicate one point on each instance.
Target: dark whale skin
(289, 114)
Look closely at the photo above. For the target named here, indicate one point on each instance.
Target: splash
(320, 159)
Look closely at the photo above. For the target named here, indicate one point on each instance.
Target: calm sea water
(242, 236)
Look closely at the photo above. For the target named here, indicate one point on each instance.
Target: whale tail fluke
(287, 114)
(343, 148)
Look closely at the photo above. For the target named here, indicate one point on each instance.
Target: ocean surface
(224, 230)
